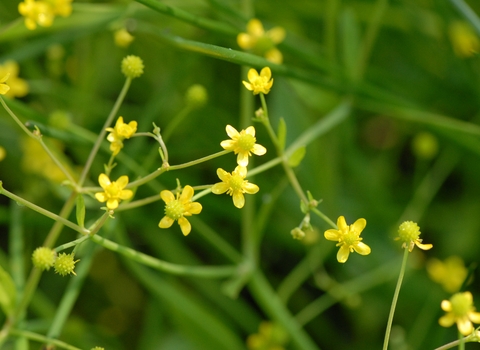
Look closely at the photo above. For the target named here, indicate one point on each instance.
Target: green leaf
(80, 210)
(7, 292)
(282, 133)
(297, 157)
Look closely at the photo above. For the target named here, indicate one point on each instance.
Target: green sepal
(282, 133)
(297, 156)
(8, 293)
(80, 210)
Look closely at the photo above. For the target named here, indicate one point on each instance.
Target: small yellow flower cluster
(113, 191)
(262, 43)
(17, 87)
(178, 207)
(43, 12)
(44, 258)
(348, 237)
(120, 132)
(460, 310)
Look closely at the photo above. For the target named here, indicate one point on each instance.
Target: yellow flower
(123, 38)
(260, 42)
(42, 12)
(464, 40)
(132, 66)
(235, 185)
(114, 191)
(348, 238)
(120, 132)
(17, 87)
(450, 273)
(259, 83)
(408, 233)
(460, 310)
(177, 208)
(4, 87)
(243, 144)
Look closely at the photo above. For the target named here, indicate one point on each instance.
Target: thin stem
(103, 132)
(395, 299)
(42, 339)
(174, 269)
(324, 217)
(461, 341)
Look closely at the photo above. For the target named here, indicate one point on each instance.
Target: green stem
(455, 343)
(42, 211)
(42, 339)
(185, 16)
(174, 269)
(395, 299)
(39, 139)
(324, 217)
(103, 132)
(461, 341)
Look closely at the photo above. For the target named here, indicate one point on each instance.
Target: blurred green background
(419, 88)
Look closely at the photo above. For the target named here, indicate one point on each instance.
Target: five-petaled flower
(113, 191)
(176, 208)
(120, 132)
(260, 42)
(460, 310)
(348, 237)
(235, 185)
(243, 144)
(408, 233)
(259, 83)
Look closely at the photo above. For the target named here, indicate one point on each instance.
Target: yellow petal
(5, 78)
(228, 145)
(359, 225)
(250, 131)
(474, 317)
(242, 159)
(255, 27)
(166, 222)
(220, 188)
(195, 208)
(252, 75)
(184, 225)
(276, 34)
(423, 246)
(248, 86)
(446, 305)
(343, 254)
(245, 41)
(187, 194)
(125, 194)
(232, 132)
(238, 199)
(464, 326)
(4, 89)
(101, 197)
(112, 203)
(332, 235)
(266, 73)
(241, 171)
(447, 320)
(250, 188)
(259, 150)
(122, 181)
(104, 181)
(167, 196)
(222, 174)
(342, 224)
(362, 249)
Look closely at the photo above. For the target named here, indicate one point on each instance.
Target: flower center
(408, 231)
(461, 305)
(236, 182)
(112, 190)
(174, 209)
(246, 142)
(350, 238)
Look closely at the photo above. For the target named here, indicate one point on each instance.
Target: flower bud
(43, 258)
(132, 66)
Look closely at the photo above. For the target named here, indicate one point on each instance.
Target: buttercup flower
(235, 185)
(260, 42)
(348, 238)
(178, 207)
(450, 273)
(120, 132)
(243, 144)
(259, 83)
(408, 233)
(460, 310)
(464, 40)
(17, 87)
(114, 191)
(43, 12)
